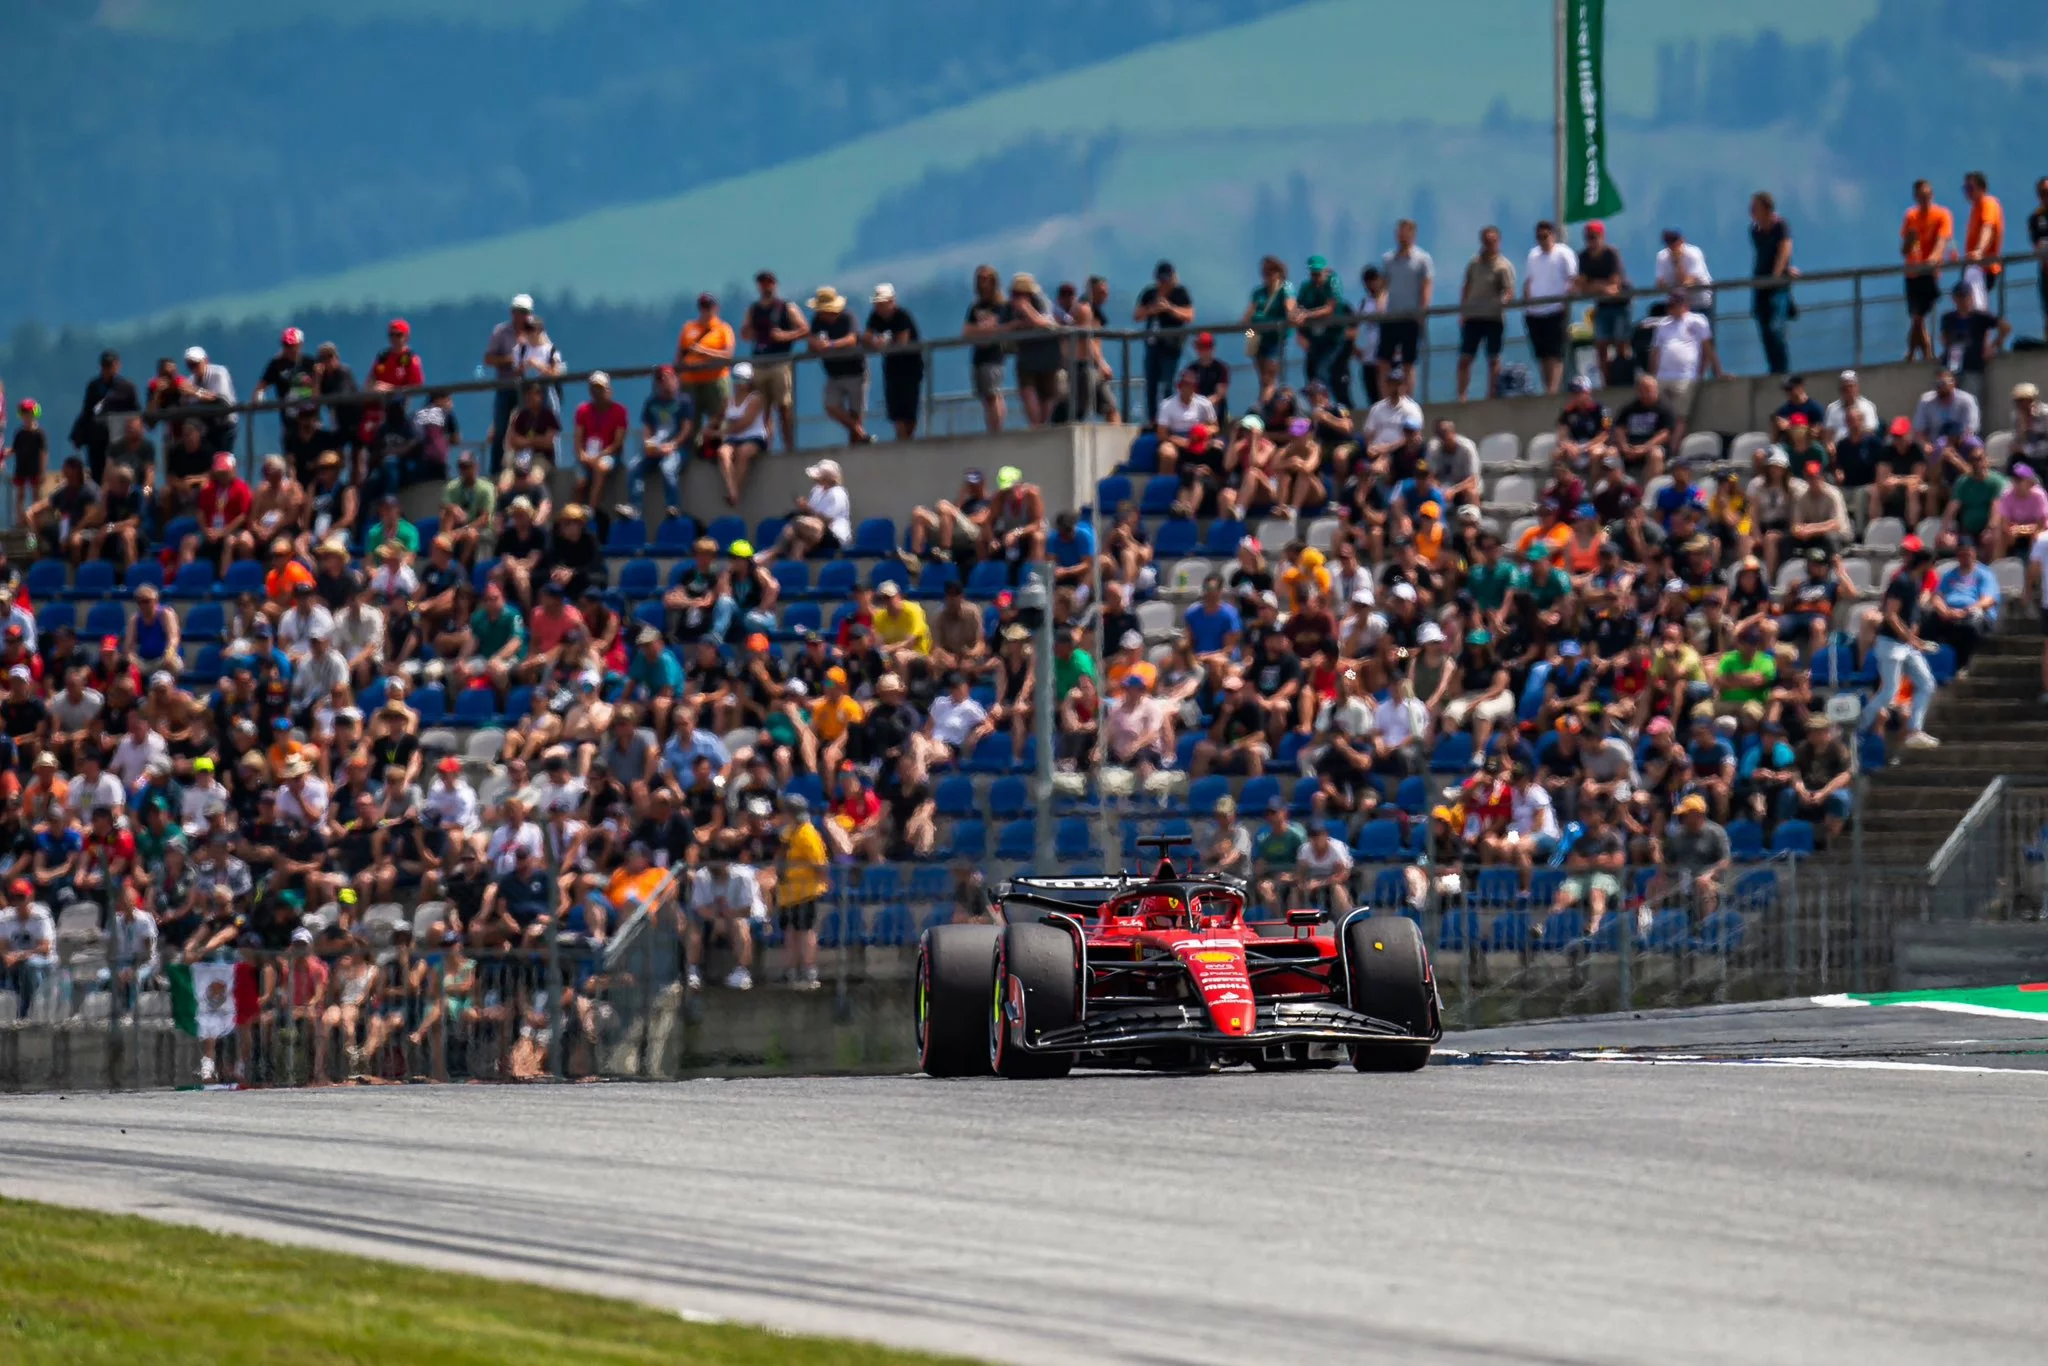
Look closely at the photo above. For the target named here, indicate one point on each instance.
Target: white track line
(1696, 1060)
(1949, 1007)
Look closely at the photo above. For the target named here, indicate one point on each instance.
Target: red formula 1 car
(1164, 973)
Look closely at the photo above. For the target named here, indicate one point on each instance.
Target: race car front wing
(1134, 1027)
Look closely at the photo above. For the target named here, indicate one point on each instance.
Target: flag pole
(1557, 79)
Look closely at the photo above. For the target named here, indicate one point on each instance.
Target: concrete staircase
(1989, 723)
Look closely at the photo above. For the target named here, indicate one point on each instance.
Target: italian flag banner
(211, 999)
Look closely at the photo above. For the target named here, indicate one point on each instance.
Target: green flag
(1588, 191)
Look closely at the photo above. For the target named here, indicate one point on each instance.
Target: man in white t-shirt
(1836, 421)
(956, 719)
(1681, 354)
(1681, 265)
(725, 898)
(1322, 871)
(1386, 422)
(824, 516)
(138, 749)
(1547, 274)
(1180, 413)
(28, 943)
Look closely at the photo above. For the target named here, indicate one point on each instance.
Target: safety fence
(1992, 866)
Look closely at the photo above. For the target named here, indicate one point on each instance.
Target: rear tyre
(1389, 979)
(954, 963)
(1040, 959)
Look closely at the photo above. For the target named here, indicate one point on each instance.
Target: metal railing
(1844, 317)
(1992, 866)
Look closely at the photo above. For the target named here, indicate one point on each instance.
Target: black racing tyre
(1389, 979)
(1041, 959)
(955, 964)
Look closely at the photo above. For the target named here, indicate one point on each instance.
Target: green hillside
(1209, 110)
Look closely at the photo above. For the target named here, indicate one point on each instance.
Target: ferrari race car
(1164, 973)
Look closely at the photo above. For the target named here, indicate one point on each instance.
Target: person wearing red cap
(1898, 485)
(28, 943)
(1178, 417)
(224, 504)
(1212, 377)
(29, 452)
(397, 366)
(288, 375)
(1603, 278)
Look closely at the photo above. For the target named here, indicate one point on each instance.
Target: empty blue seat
(987, 578)
(427, 529)
(1459, 930)
(954, 796)
(1289, 754)
(942, 915)
(1072, 839)
(874, 536)
(1613, 934)
(1453, 753)
(47, 578)
(837, 928)
(1755, 889)
(1509, 932)
(1941, 662)
(836, 579)
(1161, 492)
(54, 614)
(1564, 928)
(768, 532)
(1389, 889)
(149, 571)
(639, 579)
(104, 619)
(881, 882)
(970, 839)
(1745, 840)
(1870, 750)
(95, 580)
(1793, 837)
(1496, 887)
(1720, 932)
(799, 617)
(726, 530)
(810, 787)
(480, 573)
(651, 613)
(1303, 802)
(992, 754)
(1204, 793)
(178, 528)
(1670, 932)
(1176, 539)
(891, 928)
(933, 578)
(206, 621)
(1223, 535)
(1112, 491)
(1017, 841)
(371, 697)
(793, 577)
(194, 580)
(1413, 795)
(889, 571)
(1378, 841)
(675, 536)
(207, 667)
(431, 702)
(1543, 885)
(243, 576)
(475, 706)
(1008, 798)
(1256, 793)
(519, 701)
(930, 882)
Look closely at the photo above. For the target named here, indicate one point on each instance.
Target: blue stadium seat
(1223, 535)
(1413, 795)
(431, 702)
(726, 530)
(178, 528)
(1184, 750)
(836, 928)
(1072, 839)
(970, 839)
(1017, 841)
(1204, 793)
(1509, 932)
(881, 882)
(194, 580)
(992, 754)
(810, 788)
(1497, 887)
(942, 915)
(103, 619)
(95, 580)
(1253, 797)
(149, 571)
(1161, 492)
(675, 536)
(836, 580)
(206, 621)
(1793, 837)
(1378, 841)
(889, 571)
(480, 573)
(845, 611)
(371, 697)
(639, 579)
(1941, 661)
(768, 532)
(1870, 749)
(1720, 932)
(954, 797)
(874, 536)
(1746, 840)
(1389, 889)
(51, 615)
(243, 576)
(986, 579)
(1176, 539)
(1112, 491)
(207, 668)
(1564, 929)
(476, 706)
(933, 578)
(1613, 935)
(1670, 932)
(799, 617)
(891, 928)
(1459, 930)
(1543, 885)
(47, 579)
(651, 613)
(519, 701)
(793, 577)
(1008, 798)
(1291, 745)
(1453, 753)
(1303, 802)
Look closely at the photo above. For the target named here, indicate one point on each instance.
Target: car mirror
(1306, 917)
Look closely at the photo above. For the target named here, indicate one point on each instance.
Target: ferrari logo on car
(1215, 956)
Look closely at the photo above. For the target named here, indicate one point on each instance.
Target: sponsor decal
(1214, 956)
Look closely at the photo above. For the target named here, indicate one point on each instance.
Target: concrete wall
(1928, 956)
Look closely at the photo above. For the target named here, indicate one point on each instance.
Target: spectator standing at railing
(1041, 370)
(1770, 240)
(773, 326)
(1265, 321)
(1319, 303)
(107, 395)
(1926, 240)
(987, 314)
(2037, 237)
(1482, 302)
(1164, 306)
(1682, 353)
(835, 339)
(1548, 274)
(1410, 276)
(498, 355)
(1603, 278)
(210, 384)
(1970, 337)
(1983, 238)
(1682, 265)
(600, 439)
(703, 362)
(288, 378)
(397, 366)
(890, 325)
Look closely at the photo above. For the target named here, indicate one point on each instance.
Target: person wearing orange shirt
(1927, 238)
(704, 350)
(1307, 569)
(1551, 530)
(1983, 237)
(284, 574)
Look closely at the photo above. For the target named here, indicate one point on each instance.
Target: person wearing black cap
(799, 885)
(1164, 306)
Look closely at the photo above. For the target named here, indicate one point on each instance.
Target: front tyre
(953, 967)
(1037, 988)
(1387, 967)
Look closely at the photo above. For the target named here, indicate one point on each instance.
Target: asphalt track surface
(1740, 1186)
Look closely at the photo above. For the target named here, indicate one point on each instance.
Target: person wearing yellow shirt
(900, 624)
(1307, 569)
(834, 714)
(800, 889)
